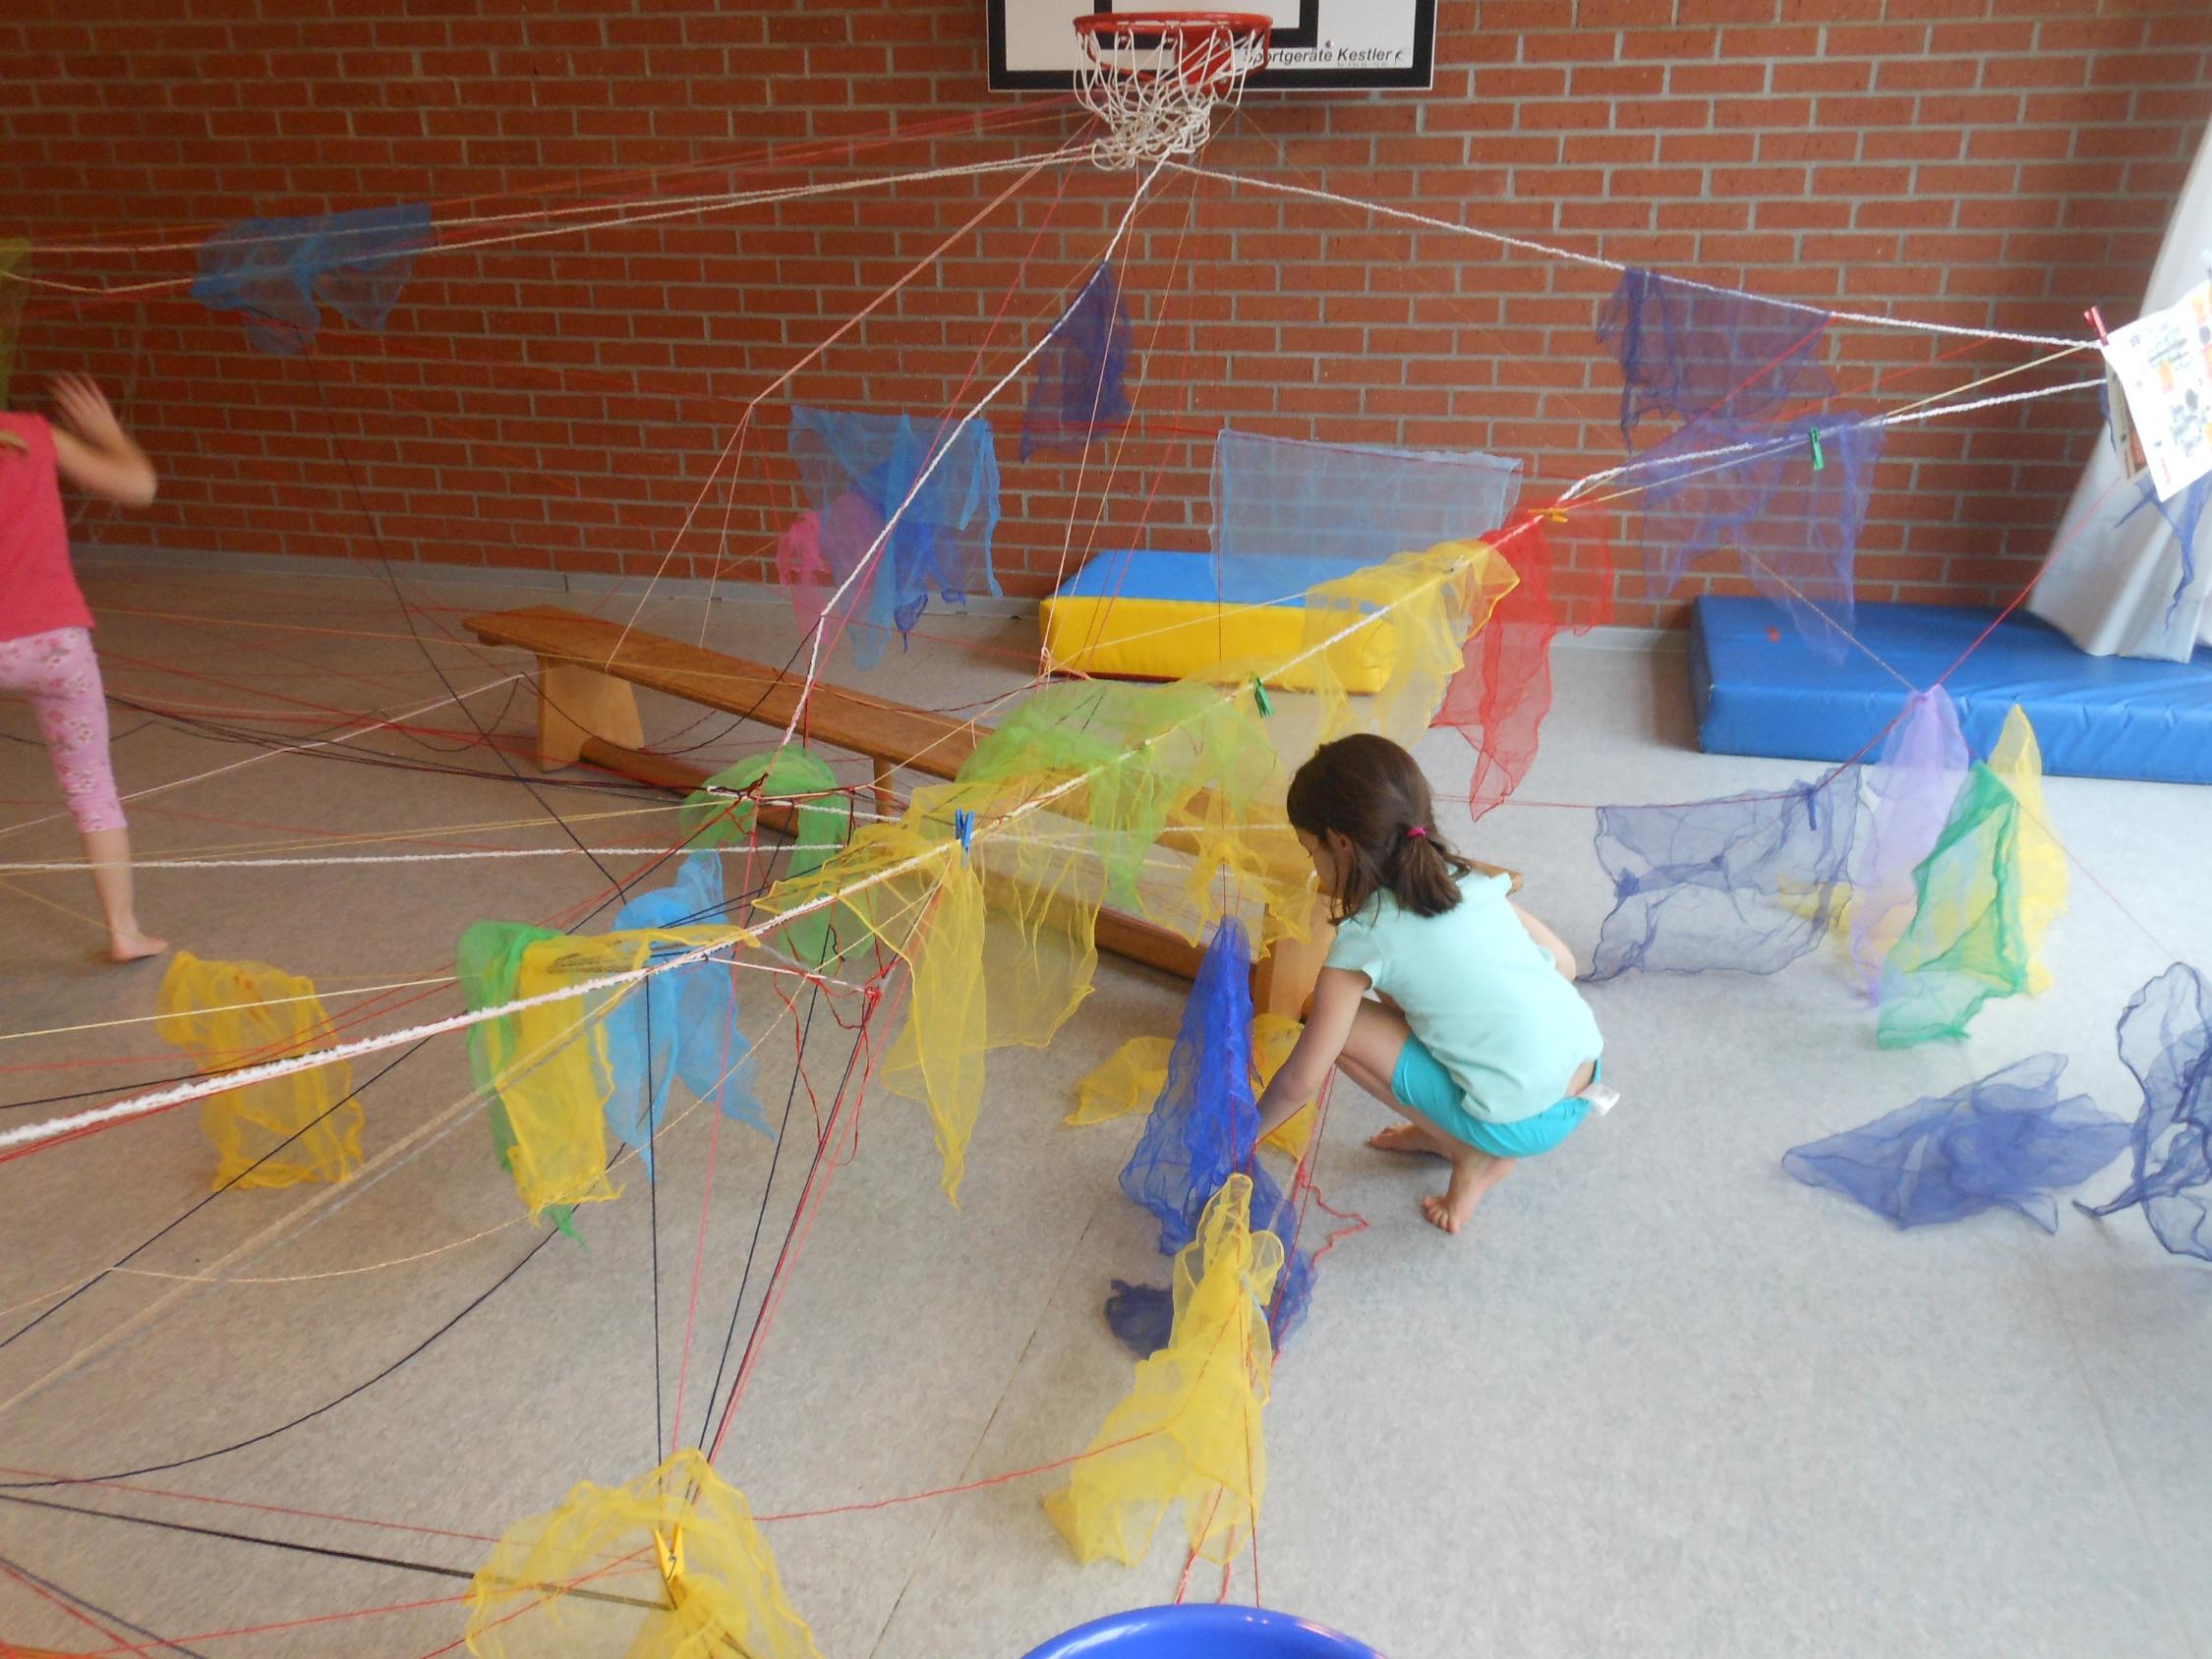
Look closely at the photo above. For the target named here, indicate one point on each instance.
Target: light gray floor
(1660, 1400)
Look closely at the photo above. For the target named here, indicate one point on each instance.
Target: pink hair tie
(1417, 834)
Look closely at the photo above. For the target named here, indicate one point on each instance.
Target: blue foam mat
(1760, 692)
(1147, 574)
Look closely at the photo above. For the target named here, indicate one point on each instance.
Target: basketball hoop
(1155, 77)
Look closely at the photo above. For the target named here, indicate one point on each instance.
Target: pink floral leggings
(59, 674)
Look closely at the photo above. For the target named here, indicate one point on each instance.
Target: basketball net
(1155, 78)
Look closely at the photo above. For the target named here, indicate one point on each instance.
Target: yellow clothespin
(14, 440)
(1555, 514)
(670, 1552)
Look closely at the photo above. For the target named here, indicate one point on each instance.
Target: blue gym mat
(1760, 692)
(1201, 578)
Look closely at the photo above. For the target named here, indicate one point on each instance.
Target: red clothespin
(2097, 321)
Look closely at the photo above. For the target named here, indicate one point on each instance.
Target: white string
(387, 858)
(687, 207)
(197, 1088)
(767, 164)
(140, 1104)
(745, 419)
(1548, 251)
(862, 565)
(1759, 448)
(379, 723)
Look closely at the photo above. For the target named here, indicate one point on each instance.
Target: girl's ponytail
(1369, 790)
(1424, 876)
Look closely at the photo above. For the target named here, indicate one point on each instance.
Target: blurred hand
(84, 408)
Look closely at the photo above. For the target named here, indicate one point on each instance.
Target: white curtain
(2114, 588)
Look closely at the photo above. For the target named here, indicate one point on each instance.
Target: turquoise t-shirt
(1482, 996)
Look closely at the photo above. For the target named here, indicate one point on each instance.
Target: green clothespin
(1817, 460)
(1260, 697)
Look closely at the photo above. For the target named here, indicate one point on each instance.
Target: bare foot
(1410, 1138)
(134, 947)
(1473, 1176)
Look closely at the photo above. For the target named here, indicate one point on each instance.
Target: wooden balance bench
(587, 710)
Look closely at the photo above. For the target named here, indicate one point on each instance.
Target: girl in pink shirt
(46, 631)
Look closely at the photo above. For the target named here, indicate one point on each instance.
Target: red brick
(1900, 10)
(1774, 44)
(1617, 149)
(1520, 83)
(1682, 182)
(1808, 146)
(1677, 148)
(1696, 80)
(1850, 112)
(1885, 40)
(1912, 213)
(1639, 79)
(1927, 74)
(2189, 28)
(1691, 114)
(2124, 142)
(1700, 11)
(2073, 109)
(531, 373)
(1842, 75)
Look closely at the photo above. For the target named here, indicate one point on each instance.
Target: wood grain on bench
(587, 712)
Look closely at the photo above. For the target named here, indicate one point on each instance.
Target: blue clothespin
(1819, 460)
(964, 826)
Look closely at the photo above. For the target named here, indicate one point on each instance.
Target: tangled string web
(280, 272)
(672, 1565)
(2006, 1140)
(1746, 881)
(2164, 1037)
(1702, 353)
(1204, 1129)
(1078, 390)
(906, 890)
(899, 508)
(1276, 496)
(559, 1074)
(1788, 499)
(1143, 762)
(1189, 1433)
(724, 810)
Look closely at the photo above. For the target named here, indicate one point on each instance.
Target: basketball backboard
(1315, 42)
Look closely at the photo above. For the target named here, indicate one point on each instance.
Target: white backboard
(1315, 42)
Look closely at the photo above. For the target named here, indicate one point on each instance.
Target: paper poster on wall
(2163, 362)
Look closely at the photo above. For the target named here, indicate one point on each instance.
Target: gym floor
(1658, 1400)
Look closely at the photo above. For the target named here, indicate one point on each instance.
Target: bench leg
(1282, 981)
(576, 703)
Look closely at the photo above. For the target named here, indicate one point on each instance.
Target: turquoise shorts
(1421, 1082)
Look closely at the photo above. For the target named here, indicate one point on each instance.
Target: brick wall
(562, 401)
